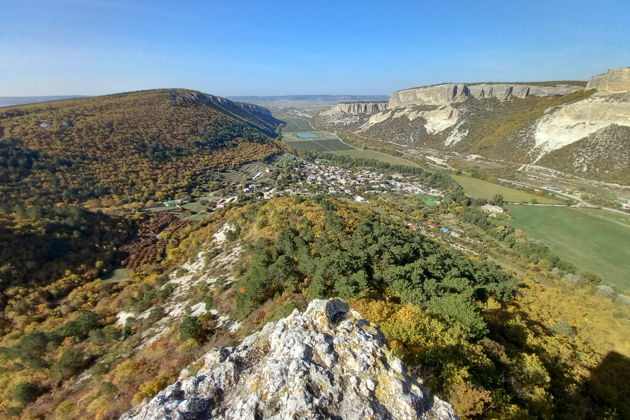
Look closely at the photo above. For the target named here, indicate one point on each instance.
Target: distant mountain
(134, 146)
(309, 99)
(571, 126)
(23, 100)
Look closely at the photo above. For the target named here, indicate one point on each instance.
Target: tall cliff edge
(613, 81)
(363, 107)
(458, 92)
(327, 362)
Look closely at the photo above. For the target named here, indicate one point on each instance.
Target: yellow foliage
(66, 410)
(188, 346)
(151, 387)
(125, 371)
(99, 405)
(469, 401)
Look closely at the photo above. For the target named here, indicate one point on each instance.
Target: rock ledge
(327, 362)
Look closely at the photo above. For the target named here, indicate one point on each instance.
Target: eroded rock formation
(458, 92)
(327, 362)
(614, 80)
(357, 108)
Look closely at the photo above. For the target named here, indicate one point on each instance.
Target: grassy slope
(478, 188)
(489, 133)
(592, 240)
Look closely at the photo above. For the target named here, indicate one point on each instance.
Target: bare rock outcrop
(356, 108)
(458, 92)
(613, 81)
(566, 124)
(327, 362)
(349, 115)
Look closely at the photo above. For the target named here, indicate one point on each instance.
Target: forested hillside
(125, 147)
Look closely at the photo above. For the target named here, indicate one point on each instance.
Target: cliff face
(327, 362)
(357, 108)
(459, 92)
(519, 122)
(349, 115)
(614, 80)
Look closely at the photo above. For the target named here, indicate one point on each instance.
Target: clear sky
(277, 47)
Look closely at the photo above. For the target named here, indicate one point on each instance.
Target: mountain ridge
(134, 143)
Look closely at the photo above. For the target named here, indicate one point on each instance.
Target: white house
(489, 208)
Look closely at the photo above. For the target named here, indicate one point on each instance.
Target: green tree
(70, 363)
(190, 328)
(26, 392)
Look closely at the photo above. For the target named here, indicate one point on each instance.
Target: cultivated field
(478, 188)
(326, 142)
(295, 124)
(593, 240)
(372, 154)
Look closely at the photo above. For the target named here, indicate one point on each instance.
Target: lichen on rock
(327, 362)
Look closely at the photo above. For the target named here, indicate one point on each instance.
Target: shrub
(190, 328)
(26, 392)
(150, 388)
(70, 363)
(156, 314)
(66, 410)
(125, 370)
(564, 328)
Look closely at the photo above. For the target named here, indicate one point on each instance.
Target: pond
(307, 135)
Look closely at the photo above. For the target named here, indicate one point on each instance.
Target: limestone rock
(614, 80)
(327, 362)
(458, 92)
(356, 108)
(566, 124)
(349, 114)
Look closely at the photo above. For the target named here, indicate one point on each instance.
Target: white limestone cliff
(566, 124)
(356, 108)
(613, 81)
(327, 362)
(458, 92)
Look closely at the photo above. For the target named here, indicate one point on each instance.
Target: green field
(325, 142)
(593, 240)
(372, 154)
(478, 188)
(329, 143)
(295, 124)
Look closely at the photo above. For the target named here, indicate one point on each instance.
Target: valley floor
(591, 239)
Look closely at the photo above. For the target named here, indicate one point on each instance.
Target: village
(292, 176)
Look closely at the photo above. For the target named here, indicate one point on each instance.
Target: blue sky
(274, 47)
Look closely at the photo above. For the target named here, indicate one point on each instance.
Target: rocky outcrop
(436, 119)
(327, 362)
(458, 92)
(355, 108)
(614, 80)
(349, 115)
(566, 124)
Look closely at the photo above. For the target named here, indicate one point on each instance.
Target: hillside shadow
(603, 394)
(609, 385)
